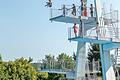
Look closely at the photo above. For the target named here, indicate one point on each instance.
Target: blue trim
(102, 61)
(111, 46)
(85, 39)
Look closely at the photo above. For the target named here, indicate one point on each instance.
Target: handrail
(67, 11)
(66, 66)
(100, 31)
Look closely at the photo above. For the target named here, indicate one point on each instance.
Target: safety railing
(55, 65)
(100, 32)
(92, 67)
(65, 66)
(66, 10)
(111, 17)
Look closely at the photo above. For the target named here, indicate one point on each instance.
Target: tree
(55, 76)
(30, 59)
(47, 61)
(20, 69)
(94, 52)
(25, 69)
(70, 63)
(42, 76)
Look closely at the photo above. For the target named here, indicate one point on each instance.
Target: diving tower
(101, 28)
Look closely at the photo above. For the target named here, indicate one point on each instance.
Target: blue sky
(25, 30)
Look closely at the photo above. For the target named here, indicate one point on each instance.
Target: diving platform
(64, 14)
(95, 39)
(76, 19)
(109, 43)
(65, 67)
(73, 19)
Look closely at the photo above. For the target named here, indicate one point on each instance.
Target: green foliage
(20, 69)
(62, 58)
(66, 58)
(30, 59)
(54, 76)
(47, 65)
(42, 76)
(47, 61)
(94, 53)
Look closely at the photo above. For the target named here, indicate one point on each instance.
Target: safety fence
(111, 17)
(92, 67)
(65, 66)
(67, 10)
(98, 31)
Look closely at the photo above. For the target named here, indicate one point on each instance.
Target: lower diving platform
(108, 43)
(66, 67)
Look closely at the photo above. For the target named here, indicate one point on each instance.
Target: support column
(80, 61)
(107, 67)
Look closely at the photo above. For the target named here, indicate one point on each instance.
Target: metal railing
(111, 17)
(67, 10)
(65, 66)
(100, 31)
(92, 67)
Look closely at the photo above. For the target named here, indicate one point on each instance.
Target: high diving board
(75, 19)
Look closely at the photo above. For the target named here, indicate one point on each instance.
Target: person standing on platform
(85, 11)
(82, 3)
(74, 10)
(82, 7)
(97, 30)
(75, 28)
(64, 9)
(91, 10)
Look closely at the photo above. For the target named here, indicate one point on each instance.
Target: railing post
(50, 13)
